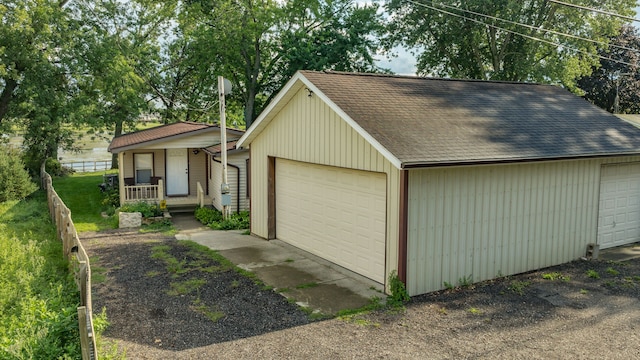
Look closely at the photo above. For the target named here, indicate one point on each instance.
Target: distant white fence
(88, 166)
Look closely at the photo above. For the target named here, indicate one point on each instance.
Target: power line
(520, 34)
(594, 10)
(537, 28)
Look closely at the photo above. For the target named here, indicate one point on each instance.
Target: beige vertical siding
(197, 170)
(238, 159)
(480, 222)
(308, 130)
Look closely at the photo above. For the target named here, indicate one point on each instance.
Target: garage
(619, 206)
(335, 213)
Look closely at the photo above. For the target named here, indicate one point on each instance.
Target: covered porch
(155, 193)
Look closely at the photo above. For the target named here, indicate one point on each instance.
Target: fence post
(84, 333)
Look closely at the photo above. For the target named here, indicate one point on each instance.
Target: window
(144, 168)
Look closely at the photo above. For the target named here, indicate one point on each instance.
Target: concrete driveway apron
(311, 281)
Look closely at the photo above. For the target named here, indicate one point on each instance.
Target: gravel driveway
(584, 310)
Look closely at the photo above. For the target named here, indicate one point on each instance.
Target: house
(438, 180)
(237, 175)
(178, 163)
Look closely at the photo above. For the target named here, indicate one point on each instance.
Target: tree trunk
(6, 96)
(117, 132)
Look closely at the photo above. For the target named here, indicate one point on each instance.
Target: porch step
(181, 209)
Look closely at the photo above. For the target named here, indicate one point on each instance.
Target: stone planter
(129, 220)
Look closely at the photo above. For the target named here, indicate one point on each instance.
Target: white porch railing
(200, 195)
(148, 193)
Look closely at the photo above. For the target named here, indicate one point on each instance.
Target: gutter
(418, 164)
(237, 181)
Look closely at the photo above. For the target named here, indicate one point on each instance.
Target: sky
(405, 62)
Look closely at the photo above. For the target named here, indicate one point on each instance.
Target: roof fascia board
(448, 164)
(266, 116)
(386, 153)
(298, 77)
(168, 138)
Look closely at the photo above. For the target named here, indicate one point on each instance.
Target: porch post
(160, 190)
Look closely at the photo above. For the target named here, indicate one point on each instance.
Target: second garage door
(335, 213)
(619, 209)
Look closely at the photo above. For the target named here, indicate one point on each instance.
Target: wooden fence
(88, 166)
(75, 253)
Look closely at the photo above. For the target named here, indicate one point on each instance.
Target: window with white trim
(144, 168)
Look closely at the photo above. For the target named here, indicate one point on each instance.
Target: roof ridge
(416, 77)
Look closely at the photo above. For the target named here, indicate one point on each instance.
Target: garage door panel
(619, 210)
(338, 214)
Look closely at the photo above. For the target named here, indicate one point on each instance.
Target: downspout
(237, 182)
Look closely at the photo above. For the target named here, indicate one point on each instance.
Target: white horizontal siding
(239, 160)
(483, 221)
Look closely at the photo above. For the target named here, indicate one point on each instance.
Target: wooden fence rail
(75, 253)
(88, 166)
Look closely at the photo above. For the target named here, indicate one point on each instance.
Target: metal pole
(223, 138)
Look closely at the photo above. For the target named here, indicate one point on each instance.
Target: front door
(177, 172)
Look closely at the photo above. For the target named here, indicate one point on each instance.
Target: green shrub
(147, 210)
(15, 182)
(213, 219)
(207, 215)
(399, 294)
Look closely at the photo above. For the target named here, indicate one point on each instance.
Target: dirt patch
(163, 293)
(584, 309)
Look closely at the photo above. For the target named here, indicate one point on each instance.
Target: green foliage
(459, 47)
(207, 215)
(612, 271)
(80, 192)
(465, 281)
(609, 77)
(15, 182)
(213, 219)
(399, 294)
(38, 296)
(593, 274)
(555, 276)
(148, 210)
(518, 287)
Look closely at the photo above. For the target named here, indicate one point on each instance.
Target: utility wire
(520, 34)
(594, 10)
(536, 28)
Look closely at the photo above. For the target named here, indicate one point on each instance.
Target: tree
(456, 46)
(118, 51)
(616, 84)
(35, 74)
(15, 182)
(260, 44)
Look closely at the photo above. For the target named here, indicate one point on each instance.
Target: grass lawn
(38, 296)
(81, 194)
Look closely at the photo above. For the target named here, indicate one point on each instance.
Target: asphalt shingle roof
(433, 121)
(159, 133)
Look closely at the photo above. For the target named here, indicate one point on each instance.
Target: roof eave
(431, 164)
(165, 138)
(283, 97)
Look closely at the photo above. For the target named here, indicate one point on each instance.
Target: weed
(289, 260)
(399, 294)
(636, 278)
(185, 287)
(283, 290)
(584, 291)
(449, 285)
(164, 226)
(475, 311)
(307, 285)
(465, 281)
(555, 276)
(211, 313)
(235, 284)
(442, 310)
(246, 232)
(518, 287)
(152, 273)
(612, 271)
(593, 274)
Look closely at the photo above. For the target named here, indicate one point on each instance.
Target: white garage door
(335, 213)
(619, 213)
